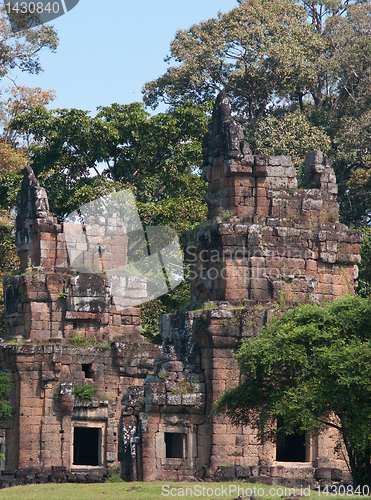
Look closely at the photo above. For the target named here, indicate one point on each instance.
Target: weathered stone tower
(70, 334)
(266, 245)
(49, 299)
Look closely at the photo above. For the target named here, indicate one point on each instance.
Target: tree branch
(340, 429)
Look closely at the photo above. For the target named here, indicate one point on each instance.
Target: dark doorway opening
(176, 445)
(291, 448)
(88, 370)
(86, 445)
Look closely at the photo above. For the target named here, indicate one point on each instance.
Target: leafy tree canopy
(14, 156)
(256, 52)
(264, 51)
(287, 134)
(77, 157)
(21, 50)
(311, 368)
(17, 100)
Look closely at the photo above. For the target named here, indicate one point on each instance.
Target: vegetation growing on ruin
(311, 368)
(84, 391)
(184, 387)
(5, 408)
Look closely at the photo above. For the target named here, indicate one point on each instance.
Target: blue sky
(109, 48)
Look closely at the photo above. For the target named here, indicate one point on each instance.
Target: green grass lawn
(153, 491)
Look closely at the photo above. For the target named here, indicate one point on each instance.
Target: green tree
(266, 50)
(290, 134)
(16, 100)
(256, 52)
(311, 369)
(156, 156)
(22, 50)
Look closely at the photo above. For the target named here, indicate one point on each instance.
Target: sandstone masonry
(267, 245)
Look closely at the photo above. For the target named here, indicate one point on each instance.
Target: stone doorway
(292, 448)
(87, 446)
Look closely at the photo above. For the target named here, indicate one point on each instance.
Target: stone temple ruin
(266, 244)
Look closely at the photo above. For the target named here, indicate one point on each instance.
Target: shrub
(84, 391)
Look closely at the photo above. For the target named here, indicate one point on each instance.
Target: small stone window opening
(88, 370)
(87, 442)
(176, 445)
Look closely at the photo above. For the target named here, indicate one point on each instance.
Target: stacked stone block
(267, 240)
(72, 289)
(251, 262)
(86, 242)
(266, 246)
(46, 305)
(171, 400)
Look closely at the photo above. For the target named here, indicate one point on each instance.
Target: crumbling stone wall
(40, 433)
(265, 238)
(49, 298)
(172, 401)
(266, 246)
(60, 299)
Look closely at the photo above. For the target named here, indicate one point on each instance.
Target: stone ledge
(55, 475)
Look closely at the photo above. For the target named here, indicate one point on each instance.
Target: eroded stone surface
(50, 299)
(265, 247)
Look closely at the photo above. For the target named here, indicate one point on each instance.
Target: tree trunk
(317, 94)
(359, 464)
(301, 104)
